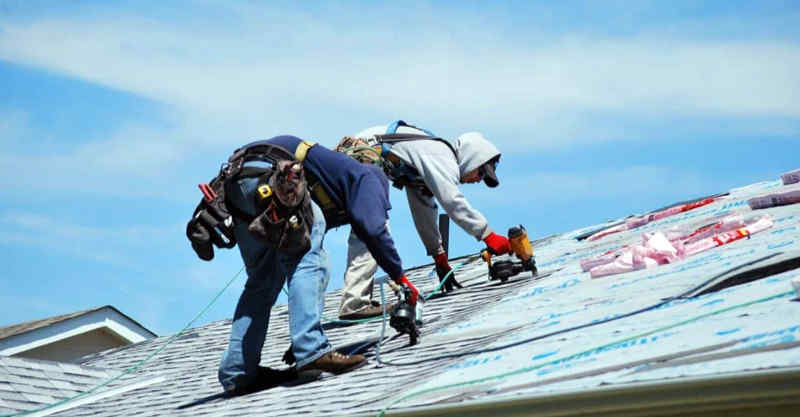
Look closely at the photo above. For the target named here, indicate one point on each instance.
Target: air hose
(139, 364)
(425, 298)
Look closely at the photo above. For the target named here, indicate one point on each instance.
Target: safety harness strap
(302, 150)
(213, 220)
(315, 188)
(392, 138)
(396, 169)
(392, 128)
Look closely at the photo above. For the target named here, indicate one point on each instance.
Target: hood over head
(473, 151)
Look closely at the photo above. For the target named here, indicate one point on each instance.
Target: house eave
(107, 318)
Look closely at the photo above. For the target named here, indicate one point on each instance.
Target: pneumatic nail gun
(522, 248)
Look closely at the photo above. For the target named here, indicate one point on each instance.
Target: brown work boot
(336, 363)
(366, 312)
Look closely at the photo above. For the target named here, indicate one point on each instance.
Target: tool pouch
(211, 223)
(286, 216)
(362, 150)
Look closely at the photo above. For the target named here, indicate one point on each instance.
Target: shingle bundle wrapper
(664, 247)
(790, 196)
(635, 222)
(791, 177)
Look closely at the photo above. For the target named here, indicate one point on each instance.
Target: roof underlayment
(561, 344)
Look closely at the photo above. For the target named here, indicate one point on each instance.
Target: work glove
(497, 244)
(442, 269)
(414, 291)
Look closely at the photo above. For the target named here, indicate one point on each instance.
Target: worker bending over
(277, 198)
(431, 170)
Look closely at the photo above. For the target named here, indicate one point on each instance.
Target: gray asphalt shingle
(494, 341)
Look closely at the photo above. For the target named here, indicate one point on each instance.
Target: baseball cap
(488, 173)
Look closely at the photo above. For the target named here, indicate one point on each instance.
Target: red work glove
(497, 244)
(442, 269)
(414, 291)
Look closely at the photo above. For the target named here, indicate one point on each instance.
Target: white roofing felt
(528, 338)
(742, 320)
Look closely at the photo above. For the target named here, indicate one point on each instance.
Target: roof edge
(750, 393)
(106, 317)
(49, 321)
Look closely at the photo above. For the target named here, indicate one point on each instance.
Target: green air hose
(169, 341)
(376, 318)
(139, 364)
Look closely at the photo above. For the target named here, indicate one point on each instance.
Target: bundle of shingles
(788, 195)
(640, 221)
(672, 245)
(664, 247)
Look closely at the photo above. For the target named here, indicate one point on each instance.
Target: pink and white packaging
(589, 263)
(659, 249)
(763, 223)
(655, 250)
(635, 222)
(602, 259)
(726, 224)
(676, 236)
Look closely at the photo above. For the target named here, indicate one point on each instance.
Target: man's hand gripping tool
(407, 314)
(522, 248)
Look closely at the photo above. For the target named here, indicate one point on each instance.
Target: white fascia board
(756, 390)
(107, 318)
(125, 327)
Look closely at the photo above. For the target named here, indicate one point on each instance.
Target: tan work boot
(366, 312)
(336, 363)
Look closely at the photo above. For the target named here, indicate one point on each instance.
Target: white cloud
(13, 125)
(136, 160)
(547, 188)
(290, 72)
(115, 246)
(136, 150)
(267, 73)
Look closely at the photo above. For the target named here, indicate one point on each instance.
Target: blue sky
(112, 112)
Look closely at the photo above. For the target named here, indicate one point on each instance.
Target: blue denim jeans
(306, 277)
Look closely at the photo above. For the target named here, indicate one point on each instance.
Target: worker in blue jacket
(343, 191)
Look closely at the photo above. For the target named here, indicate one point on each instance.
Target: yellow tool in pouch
(264, 191)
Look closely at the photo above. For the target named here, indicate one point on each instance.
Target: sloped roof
(38, 387)
(29, 326)
(648, 338)
(28, 384)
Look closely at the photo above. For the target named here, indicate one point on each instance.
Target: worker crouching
(276, 199)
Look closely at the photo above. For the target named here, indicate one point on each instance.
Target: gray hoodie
(442, 173)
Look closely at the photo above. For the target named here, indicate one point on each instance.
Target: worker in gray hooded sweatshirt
(431, 170)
